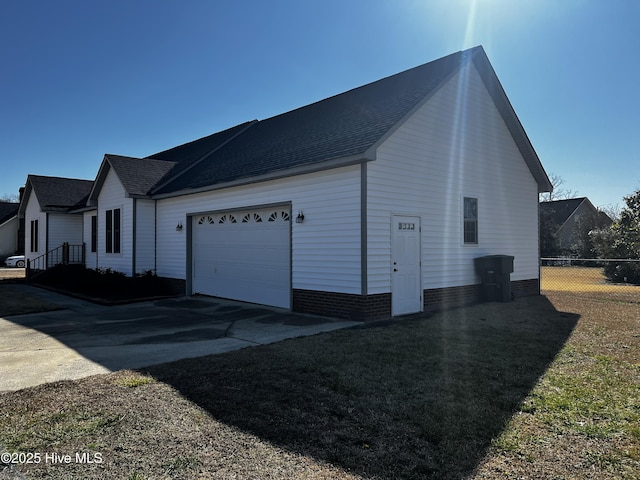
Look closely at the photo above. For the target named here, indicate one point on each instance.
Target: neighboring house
(563, 220)
(9, 224)
(48, 206)
(370, 203)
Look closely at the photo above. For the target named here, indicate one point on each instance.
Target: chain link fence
(587, 278)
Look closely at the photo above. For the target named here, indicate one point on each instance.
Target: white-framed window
(470, 222)
(34, 235)
(112, 231)
(94, 233)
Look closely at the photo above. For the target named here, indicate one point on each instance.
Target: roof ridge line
(33, 175)
(462, 53)
(201, 159)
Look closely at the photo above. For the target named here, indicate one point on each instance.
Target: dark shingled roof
(139, 175)
(187, 155)
(340, 130)
(342, 126)
(8, 211)
(558, 211)
(60, 194)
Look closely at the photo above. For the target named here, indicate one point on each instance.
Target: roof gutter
(88, 208)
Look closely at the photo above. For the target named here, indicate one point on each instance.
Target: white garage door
(243, 255)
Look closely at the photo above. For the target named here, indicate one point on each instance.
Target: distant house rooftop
(8, 210)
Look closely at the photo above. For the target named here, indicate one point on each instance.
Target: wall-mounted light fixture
(300, 217)
(179, 227)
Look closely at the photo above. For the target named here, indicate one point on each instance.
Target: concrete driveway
(85, 339)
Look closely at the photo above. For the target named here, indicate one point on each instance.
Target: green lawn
(537, 388)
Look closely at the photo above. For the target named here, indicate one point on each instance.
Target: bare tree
(10, 197)
(613, 211)
(558, 192)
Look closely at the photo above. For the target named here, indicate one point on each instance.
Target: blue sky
(79, 79)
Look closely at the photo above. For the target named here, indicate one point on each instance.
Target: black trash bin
(495, 272)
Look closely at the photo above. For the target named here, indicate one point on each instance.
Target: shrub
(623, 272)
(621, 241)
(104, 283)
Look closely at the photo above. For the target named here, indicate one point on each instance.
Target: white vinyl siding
(145, 235)
(9, 237)
(454, 146)
(325, 247)
(33, 212)
(54, 229)
(64, 228)
(113, 196)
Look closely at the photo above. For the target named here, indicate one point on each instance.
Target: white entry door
(244, 255)
(406, 286)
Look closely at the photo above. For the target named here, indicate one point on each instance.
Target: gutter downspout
(133, 235)
(363, 231)
(155, 237)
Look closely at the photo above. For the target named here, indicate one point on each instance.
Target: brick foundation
(342, 305)
(376, 307)
(526, 288)
(436, 299)
(174, 286)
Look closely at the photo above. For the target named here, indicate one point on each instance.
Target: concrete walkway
(86, 339)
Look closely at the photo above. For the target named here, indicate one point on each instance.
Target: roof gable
(139, 175)
(493, 85)
(57, 194)
(559, 211)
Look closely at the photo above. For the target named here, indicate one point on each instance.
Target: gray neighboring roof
(56, 194)
(559, 211)
(346, 127)
(8, 210)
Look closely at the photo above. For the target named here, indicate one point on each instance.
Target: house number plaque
(406, 226)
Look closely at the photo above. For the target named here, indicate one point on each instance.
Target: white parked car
(15, 261)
